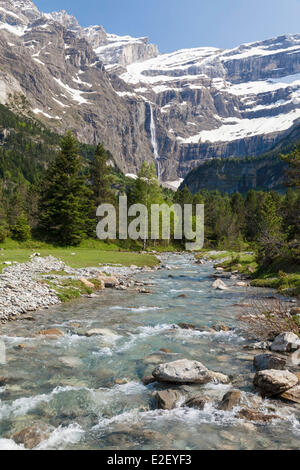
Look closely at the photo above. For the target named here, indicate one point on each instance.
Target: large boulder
(274, 382)
(286, 342)
(182, 371)
(167, 399)
(293, 394)
(268, 361)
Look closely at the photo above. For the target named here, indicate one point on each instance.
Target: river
(69, 384)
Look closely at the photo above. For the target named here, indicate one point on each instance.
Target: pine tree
(101, 178)
(65, 204)
(271, 237)
(293, 160)
(146, 190)
(21, 231)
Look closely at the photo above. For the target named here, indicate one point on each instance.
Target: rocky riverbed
(24, 287)
(173, 369)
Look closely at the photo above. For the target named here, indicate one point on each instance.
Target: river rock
(293, 394)
(294, 358)
(268, 361)
(51, 332)
(251, 415)
(148, 379)
(230, 400)
(198, 402)
(87, 283)
(295, 311)
(219, 285)
(274, 382)
(3, 381)
(286, 342)
(182, 371)
(263, 345)
(242, 284)
(186, 326)
(221, 328)
(217, 377)
(32, 436)
(101, 332)
(167, 399)
(109, 281)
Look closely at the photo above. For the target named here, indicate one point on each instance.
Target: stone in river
(100, 332)
(293, 394)
(294, 358)
(217, 377)
(51, 332)
(32, 436)
(186, 326)
(219, 285)
(251, 415)
(182, 371)
(198, 402)
(268, 361)
(230, 400)
(166, 399)
(295, 311)
(286, 342)
(148, 379)
(274, 382)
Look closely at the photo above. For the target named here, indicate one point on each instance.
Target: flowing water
(154, 143)
(69, 382)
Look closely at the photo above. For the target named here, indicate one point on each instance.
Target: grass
(283, 275)
(285, 283)
(86, 255)
(69, 289)
(241, 262)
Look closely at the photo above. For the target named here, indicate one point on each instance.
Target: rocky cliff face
(202, 103)
(66, 85)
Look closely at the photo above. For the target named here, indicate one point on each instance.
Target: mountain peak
(64, 18)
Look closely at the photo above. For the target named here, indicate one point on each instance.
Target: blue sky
(177, 24)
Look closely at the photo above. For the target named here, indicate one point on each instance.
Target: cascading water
(154, 143)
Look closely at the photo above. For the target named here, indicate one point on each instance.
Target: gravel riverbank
(23, 287)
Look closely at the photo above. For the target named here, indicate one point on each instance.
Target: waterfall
(154, 143)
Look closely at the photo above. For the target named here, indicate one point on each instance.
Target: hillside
(179, 109)
(264, 172)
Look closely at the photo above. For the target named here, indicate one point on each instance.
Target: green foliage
(64, 206)
(293, 160)
(21, 231)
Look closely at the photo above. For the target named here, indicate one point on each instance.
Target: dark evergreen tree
(101, 177)
(65, 201)
(21, 231)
